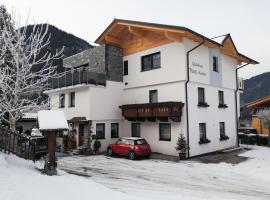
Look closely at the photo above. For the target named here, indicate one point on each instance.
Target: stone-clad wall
(94, 57)
(101, 59)
(114, 63)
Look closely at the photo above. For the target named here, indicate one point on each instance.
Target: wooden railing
(18, 144)
(153, 111)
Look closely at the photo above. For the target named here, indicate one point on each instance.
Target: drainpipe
(236, 102)
(186, 91)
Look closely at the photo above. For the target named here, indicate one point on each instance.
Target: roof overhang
(259, 103)
(130, 35)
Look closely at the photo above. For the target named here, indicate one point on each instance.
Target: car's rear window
(140, 141)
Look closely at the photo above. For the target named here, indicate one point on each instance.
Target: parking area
(162, 179)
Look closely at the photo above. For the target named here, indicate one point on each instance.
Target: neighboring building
(154, 81)
(260, 124)
(27, 122)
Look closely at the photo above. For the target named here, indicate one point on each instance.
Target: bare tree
(264, 114)
(25, 67)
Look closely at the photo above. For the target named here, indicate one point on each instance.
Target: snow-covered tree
(264, 114)
(25, 67)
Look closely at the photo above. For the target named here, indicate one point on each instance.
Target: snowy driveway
(186, 180)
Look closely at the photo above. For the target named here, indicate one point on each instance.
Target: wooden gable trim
(140, 30)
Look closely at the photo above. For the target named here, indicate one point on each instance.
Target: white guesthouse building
(154, 81)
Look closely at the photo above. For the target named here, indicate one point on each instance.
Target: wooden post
(50, 164)
(51, 147)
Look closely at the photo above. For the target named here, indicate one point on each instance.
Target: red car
(132, 147)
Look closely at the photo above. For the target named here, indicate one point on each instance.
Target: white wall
(105, 101)
(172, 62)
(82, 105)
(228, 76)
(211, 115)
(108, 140)
(198, 73)
(166, 92)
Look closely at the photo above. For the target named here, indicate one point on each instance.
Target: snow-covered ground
(119, 178)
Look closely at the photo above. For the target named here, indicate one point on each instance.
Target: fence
(18, 144)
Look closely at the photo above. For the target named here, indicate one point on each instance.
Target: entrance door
(81, 134)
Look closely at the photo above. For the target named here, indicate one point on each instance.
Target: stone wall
(93, 58)
(114, 63)
(106, 59)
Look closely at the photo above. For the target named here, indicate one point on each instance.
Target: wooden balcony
(153, 111)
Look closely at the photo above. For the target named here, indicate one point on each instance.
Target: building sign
(197, 68)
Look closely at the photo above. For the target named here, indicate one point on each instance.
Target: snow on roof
(52, 120)
(29, 116)
(219, 39)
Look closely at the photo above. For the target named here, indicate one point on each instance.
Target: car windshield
(140, 141)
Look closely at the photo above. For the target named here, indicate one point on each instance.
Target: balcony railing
(76, 77)
(152, 111)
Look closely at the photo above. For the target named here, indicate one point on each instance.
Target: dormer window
(215, 64)
(151, 61)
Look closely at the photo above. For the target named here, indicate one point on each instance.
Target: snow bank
(52, 119)
(20, 180)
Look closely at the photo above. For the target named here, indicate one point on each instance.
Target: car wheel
(110, 152)
(131, 155)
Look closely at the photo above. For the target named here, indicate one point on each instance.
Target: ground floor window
(203, 136)
(114, 130)
(136, 130)
(222, 132)
(165, 132)
(100, 131)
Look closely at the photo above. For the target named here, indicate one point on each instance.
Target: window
(203, 137)
(221, 100)
(222, 132)
(221, 97)
(114, 130)
(72, 99)
(151, 61)
(61, 100)
(153, 96)
(135, 130)
(125, 68)
(100, 131)
(222, 128)
(165, 132)
(215, 64)
(201, 97)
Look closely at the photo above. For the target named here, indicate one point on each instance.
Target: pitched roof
(185, 32)
(261, 102)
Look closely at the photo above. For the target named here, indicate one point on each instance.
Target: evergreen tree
(181, 144)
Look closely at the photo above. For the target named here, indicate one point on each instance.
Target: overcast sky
(248, 21)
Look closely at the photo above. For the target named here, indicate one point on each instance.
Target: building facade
(153, 81)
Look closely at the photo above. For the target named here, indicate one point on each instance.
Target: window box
(203, 104)
(222, 106)
(204, 141)
(223, 137)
